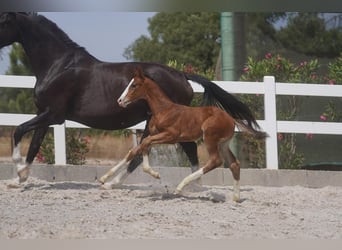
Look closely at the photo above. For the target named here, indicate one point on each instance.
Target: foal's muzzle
(122, 102)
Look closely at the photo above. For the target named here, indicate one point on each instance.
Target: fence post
(271, 122)
(134, 137)
(60, 144)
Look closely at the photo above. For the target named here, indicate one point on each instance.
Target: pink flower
(245, 69)
(40, 157)
(302, 64)
(331, 82)
(268, 56)
(323, 118)
(280, 136)
(86, 139)
(309, 136)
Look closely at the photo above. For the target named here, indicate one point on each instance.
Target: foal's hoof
(107, 186)
(177, 192)
(110, 186)
(236, 198)
(156, 175)
(23, 174)
(103, 179)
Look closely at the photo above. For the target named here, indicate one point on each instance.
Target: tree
(17, 100)
(260, 33)
(19, 63)
(188, 38)
(307, 33)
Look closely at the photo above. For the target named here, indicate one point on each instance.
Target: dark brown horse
(73, 85)
(171, 123)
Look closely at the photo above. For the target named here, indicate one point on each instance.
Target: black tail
(214, 95)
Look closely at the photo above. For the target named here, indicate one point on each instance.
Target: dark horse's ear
(8, 16)
(139, 72)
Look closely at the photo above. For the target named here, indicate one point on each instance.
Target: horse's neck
(40, 47)
(157, 99)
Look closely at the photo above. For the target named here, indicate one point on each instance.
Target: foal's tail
(216, 96)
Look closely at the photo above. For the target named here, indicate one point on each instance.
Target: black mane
(52, 29)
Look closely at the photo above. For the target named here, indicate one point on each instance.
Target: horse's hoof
(14, 184)
(23, 174)
(17, 160)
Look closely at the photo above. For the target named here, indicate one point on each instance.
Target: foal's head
(135, 90)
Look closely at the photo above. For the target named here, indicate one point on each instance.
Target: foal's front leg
(122, 164)
(120, 169)
(147, 168)
(160, 138)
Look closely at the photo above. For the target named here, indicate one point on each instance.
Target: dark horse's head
(9, 30)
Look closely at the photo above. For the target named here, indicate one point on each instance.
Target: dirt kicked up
(73, 210)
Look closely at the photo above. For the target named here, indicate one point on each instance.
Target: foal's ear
(139, 73)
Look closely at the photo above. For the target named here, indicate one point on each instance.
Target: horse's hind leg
(234, 166)
(190, 149)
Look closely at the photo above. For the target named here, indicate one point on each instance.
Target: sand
(81, 210)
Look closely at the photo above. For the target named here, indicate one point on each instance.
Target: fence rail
(269, 88)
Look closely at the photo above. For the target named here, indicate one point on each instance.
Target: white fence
(269, 88)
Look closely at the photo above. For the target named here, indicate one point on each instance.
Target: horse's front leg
(37, 139)
(35, 144)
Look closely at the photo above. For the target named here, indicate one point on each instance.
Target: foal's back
(191, 123)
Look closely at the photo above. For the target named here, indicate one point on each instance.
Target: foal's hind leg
(234, 166)
(213, 162)
(190, 149)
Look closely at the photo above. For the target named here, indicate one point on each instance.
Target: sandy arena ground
(72, 210)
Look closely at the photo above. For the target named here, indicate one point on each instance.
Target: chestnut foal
(172, 123)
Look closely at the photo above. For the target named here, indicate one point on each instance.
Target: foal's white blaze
(124, 94)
